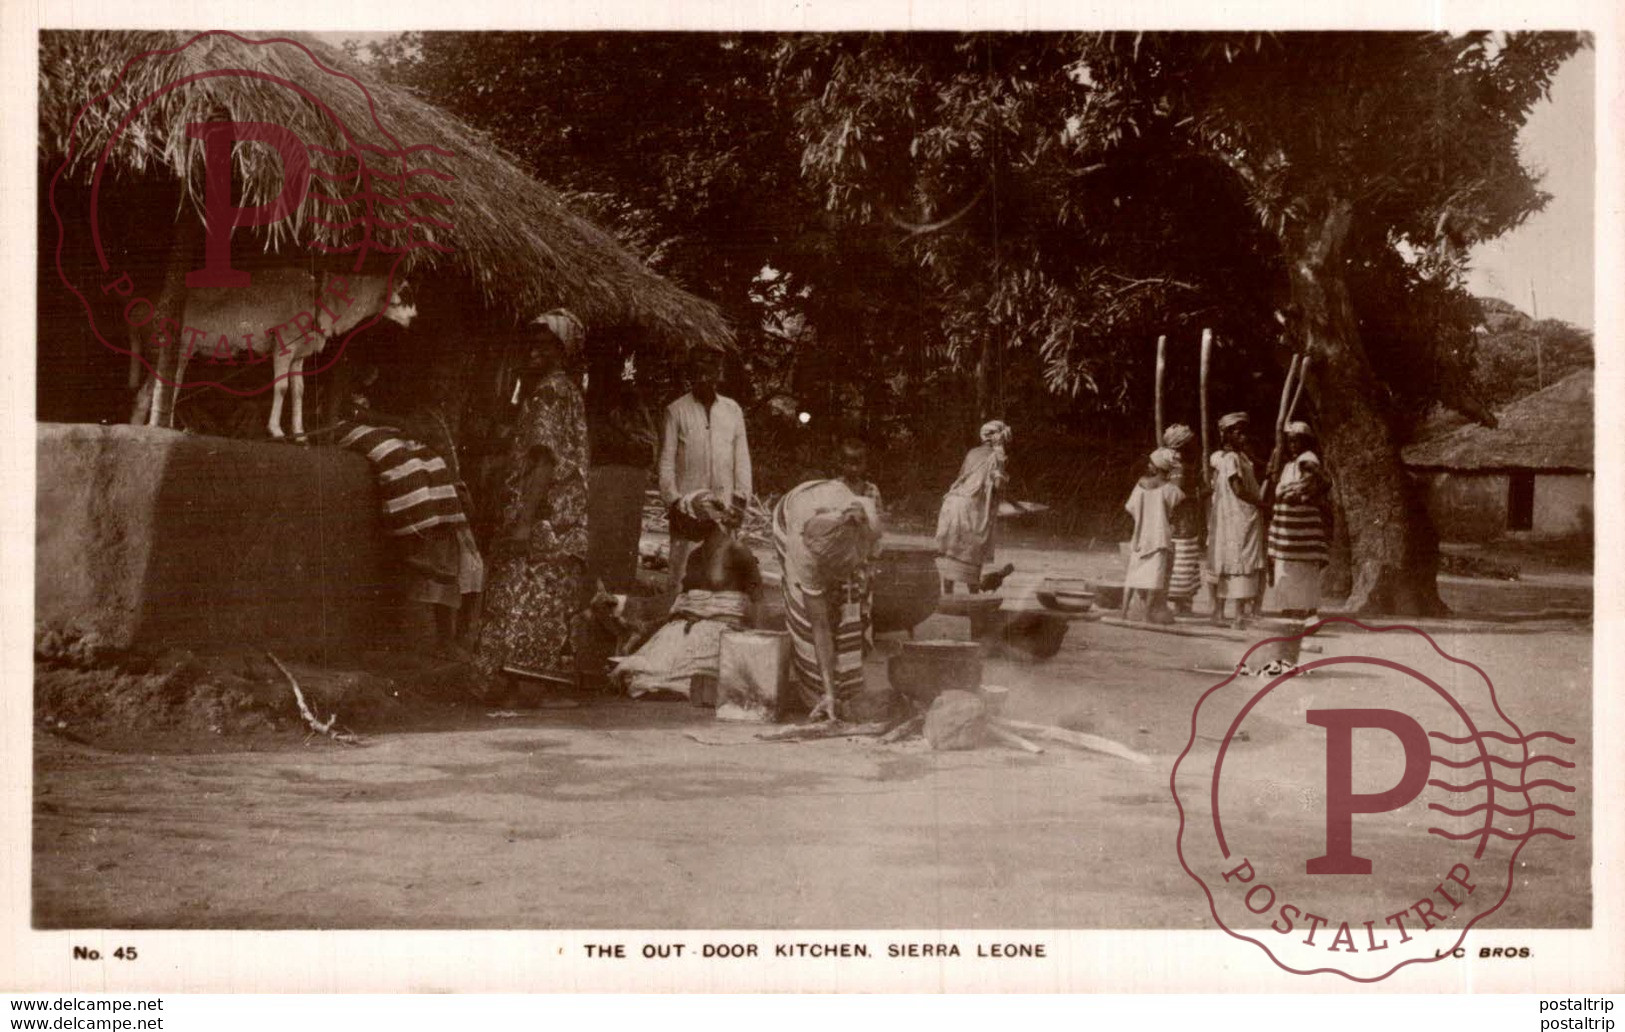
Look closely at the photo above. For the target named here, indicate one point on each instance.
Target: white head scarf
(565, 326)
(996, 433)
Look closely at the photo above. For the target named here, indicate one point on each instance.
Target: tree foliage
(1024, 211)
(1515, 355)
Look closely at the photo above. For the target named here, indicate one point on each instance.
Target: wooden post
(1207, 354)
(1162, 364)
(1280, 415)
(170, 369)
(1297, 393)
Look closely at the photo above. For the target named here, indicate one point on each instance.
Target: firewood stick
(1162, 364)
(304, 710)
(908, 727)
(1207, 355)
(837, 729)
(1009, 737)
(1093, 743)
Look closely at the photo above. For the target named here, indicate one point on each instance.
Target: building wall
(1473, 506)
(1563, 505)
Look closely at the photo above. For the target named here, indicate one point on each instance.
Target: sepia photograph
(795, 481)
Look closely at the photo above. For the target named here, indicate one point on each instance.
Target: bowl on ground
(1066, 594)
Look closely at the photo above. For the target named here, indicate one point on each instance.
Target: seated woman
(721, 581)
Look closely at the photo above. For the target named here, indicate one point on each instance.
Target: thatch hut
(1530, 474)
(485, 245)
(261, 542)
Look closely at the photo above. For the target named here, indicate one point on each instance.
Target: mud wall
(1468, 506)
(1563, 505)
(152, 537)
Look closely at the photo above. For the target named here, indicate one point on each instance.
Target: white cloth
(965, 521)
(1151, 507)
(1151, 549)
(1235, 545)
(799, 505)
(704, 450)
(1297, 585)
(688, 644)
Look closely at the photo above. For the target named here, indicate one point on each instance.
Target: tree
(1516, 355)
(1367, 165)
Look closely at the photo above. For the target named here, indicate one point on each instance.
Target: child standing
(1151, 550)
(1186, 578)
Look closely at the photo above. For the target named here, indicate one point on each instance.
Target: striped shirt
(416, 489)
(1297, 528)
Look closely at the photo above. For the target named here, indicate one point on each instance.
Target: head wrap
(1165, 459)
(1177, 436)
(996, 432)
(689, 504)
(1300, 428)
(565, 326)
(1232, 419)
(688, 520)
(837, 542)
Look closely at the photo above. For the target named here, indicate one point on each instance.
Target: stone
(956, 720)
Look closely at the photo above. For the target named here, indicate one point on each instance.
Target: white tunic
(704, 450)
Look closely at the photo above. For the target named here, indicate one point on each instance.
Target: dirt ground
(625, 814)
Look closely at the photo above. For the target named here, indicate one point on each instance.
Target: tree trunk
(984, 380)
(1393, 549)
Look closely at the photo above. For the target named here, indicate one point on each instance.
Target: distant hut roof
(513, 236)
(1548, 430)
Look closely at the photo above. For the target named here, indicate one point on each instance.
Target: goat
(340, 306)
(288, 361)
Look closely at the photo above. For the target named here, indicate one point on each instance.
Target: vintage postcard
(835, 501)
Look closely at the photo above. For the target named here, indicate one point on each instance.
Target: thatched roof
(1549, 430)
(512, 235)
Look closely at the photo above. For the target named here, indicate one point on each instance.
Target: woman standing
(970, 511)
(1235, 548)
(536, 578)
(1298, 536)
(826, 534)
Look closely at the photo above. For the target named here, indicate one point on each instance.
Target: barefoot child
(1151, 549)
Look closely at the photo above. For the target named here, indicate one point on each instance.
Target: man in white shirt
(703, 448)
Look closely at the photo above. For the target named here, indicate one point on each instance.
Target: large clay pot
(906, 587)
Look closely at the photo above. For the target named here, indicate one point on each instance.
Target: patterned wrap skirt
(1186, 577)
